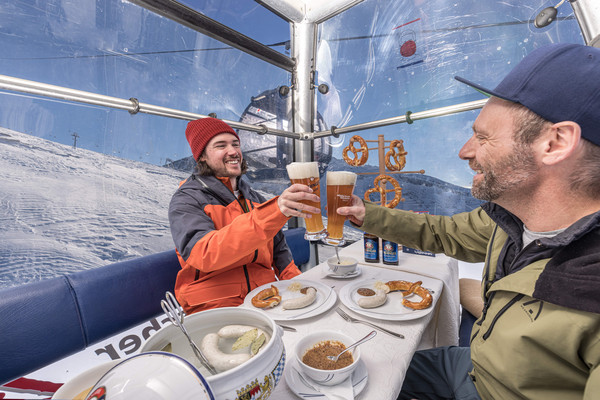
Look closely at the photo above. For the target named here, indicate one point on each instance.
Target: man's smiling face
(223, 155)
(504, 168)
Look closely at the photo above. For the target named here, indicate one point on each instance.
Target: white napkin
(341, 391)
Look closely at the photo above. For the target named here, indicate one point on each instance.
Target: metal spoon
(337, 254)
(370, 336)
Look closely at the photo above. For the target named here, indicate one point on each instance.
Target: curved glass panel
(383, 59)
(86, 185)
(248, 18)
(118, 49)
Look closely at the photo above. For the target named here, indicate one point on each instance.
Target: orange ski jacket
(227, 246)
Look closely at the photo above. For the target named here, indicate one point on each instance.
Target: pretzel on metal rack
(399, 157)
(381, 189)
(356, 160)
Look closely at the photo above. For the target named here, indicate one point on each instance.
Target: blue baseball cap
(559, 82)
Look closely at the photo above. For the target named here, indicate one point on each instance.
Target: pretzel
(267, 298)
(399, 158)
(356, 161)
(410, 288)
(383, 192)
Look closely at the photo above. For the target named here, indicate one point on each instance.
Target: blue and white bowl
(256, 377)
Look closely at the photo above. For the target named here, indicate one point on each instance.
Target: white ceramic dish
(152, 376)
(84, 381)
(346, 266)
(326, 298)
(296, 385)
(326, 377)
(329, 274)
(257, 376)
(392, 309)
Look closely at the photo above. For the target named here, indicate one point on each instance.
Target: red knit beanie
(200, 131)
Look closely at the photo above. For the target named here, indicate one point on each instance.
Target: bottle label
(390, 252)
(371, 249)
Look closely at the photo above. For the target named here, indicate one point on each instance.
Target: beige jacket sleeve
(463, 236)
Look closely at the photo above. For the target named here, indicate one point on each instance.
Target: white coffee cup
(346, 266)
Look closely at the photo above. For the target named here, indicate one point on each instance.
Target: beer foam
(299, 170)
(341, 178)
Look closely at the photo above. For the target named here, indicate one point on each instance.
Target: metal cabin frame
(304, 17)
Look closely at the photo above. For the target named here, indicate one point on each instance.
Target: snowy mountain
(66, 209)
(420, 192)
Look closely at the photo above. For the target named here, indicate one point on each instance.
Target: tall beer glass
(307, 173)
(340, 185)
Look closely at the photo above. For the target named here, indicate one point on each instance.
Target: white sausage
(373, 301)
(219, 360)
(300, 302)
(235, 331)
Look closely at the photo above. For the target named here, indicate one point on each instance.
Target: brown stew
(316, 356)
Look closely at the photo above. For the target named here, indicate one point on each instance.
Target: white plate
(326, 298)
(329, 274)
(392, 309)
(359, 380)
(84, 381)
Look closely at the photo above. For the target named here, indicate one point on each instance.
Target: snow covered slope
(64, 209)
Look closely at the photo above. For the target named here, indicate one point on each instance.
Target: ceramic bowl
(346, 266)
(326, 377)
(78, 387)
(257, 376)
(151, 376)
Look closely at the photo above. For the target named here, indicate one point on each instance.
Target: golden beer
(307, 173)
(340, 185)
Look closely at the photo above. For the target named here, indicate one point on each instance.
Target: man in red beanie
(228, 237)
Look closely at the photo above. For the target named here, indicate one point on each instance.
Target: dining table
(386, 357)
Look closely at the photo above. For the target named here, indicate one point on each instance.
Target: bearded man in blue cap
(535, 151)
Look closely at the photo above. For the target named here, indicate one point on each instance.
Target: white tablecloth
(386, 357)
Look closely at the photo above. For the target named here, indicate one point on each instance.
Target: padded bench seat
(43, 322)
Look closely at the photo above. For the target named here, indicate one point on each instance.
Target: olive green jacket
(539, 335)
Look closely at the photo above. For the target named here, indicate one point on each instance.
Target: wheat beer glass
(307, 173)
(340, 185)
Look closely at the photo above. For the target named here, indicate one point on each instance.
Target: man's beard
(203, 169)
(505, 174)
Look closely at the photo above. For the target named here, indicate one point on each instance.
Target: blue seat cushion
(299, 246)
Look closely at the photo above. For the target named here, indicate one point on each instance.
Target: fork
(352, 319)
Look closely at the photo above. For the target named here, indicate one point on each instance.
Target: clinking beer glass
(340, 185)
(307, 173)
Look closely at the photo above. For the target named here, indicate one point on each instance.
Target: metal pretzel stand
(383, 175)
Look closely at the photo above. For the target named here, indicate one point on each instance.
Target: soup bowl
(345, 266)
(326, 376)
(256, 377)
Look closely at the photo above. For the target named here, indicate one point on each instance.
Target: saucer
(359, 381)
(329, 274)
